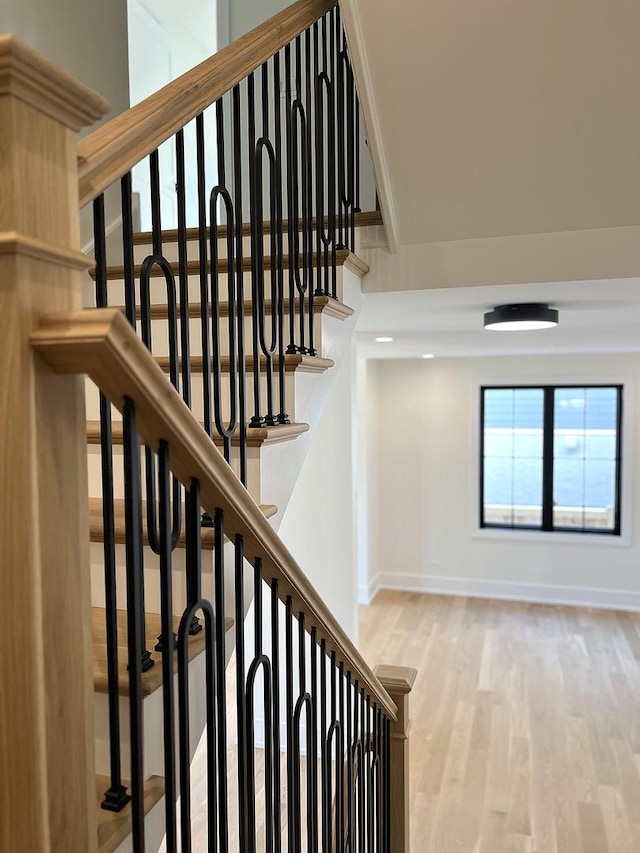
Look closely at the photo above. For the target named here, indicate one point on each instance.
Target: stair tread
(292, 363)
(152, 678)
(363, 220)
(343, 258)
(321, 305)
(96, 532)
(115, 827)
(256, 436)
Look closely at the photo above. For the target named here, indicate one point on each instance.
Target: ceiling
(500, 118)
(595, 316)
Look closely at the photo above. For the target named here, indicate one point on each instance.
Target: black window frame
(547, 525)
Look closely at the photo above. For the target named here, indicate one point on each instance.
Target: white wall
(318, 526)
(423, 468)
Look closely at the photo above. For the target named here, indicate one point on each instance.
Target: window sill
(547, 538)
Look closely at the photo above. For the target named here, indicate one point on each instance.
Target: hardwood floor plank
(525, 731)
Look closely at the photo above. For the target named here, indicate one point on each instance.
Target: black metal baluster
(319, 125)
(368, 753)
(350, 834)
(192, 545)
(225, 427)
(313, 758)
(301, 193)
(275, 688)
(166, 620)
(356, 199)
(151, 261)
(221, 684)
(293, 249)
(291, 784)
(241, 699)
(116, 797)
(327, 140)
(195, 603)
(332, 146)
(306, 700)
(308, 199)
(237, 170)
(263, 145)
(135, 628)
(387, 788)
(127, 249)
(340, 760)
(260, 662)
(340, 137)
(362, 772)
(351, 149)
(257, 420)
(325, 756)
(204, 278)
(183, 276)
(278, 299)
(378, 779)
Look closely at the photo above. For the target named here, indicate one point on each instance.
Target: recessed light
(383, 340)
(428, 355)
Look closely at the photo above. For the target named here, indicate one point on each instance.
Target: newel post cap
(28, 76)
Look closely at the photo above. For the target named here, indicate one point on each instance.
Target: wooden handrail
(101, 343)
(113, 149)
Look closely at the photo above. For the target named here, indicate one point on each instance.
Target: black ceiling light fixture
(521, 317)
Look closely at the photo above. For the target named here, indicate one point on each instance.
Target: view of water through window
(585, 446)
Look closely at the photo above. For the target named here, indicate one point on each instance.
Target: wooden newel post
(398, 682)
(47, 804)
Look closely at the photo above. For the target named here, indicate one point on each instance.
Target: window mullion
(547, 459)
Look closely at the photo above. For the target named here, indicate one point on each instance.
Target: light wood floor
(525, 733)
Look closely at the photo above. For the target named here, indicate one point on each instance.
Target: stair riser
(93, 404)
(160, 334)
(153, 732)
(170, 248)
(158, 288)
(94, 463)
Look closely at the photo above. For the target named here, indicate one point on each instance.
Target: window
(550, 458)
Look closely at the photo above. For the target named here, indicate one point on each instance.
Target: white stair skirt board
(577, 596)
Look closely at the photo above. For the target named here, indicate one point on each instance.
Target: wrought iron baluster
(167, 646)
(325, 757)
(220, 683)
(308, 207)
(127, 249)
(275, 688)
(135, 626)
(257, 253)
(241, 699)
(237, 188)
(195, 604)
(277, 278)
(116, 797)
(183, 276)
(292, 817)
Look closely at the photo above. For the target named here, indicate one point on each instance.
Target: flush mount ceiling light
(428, 355)
(383, 340)
(523, 317)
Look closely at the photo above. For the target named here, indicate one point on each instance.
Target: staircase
(208, 353)
(266, 479)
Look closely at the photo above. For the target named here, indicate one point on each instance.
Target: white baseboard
(366, 593)
(577, 596)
